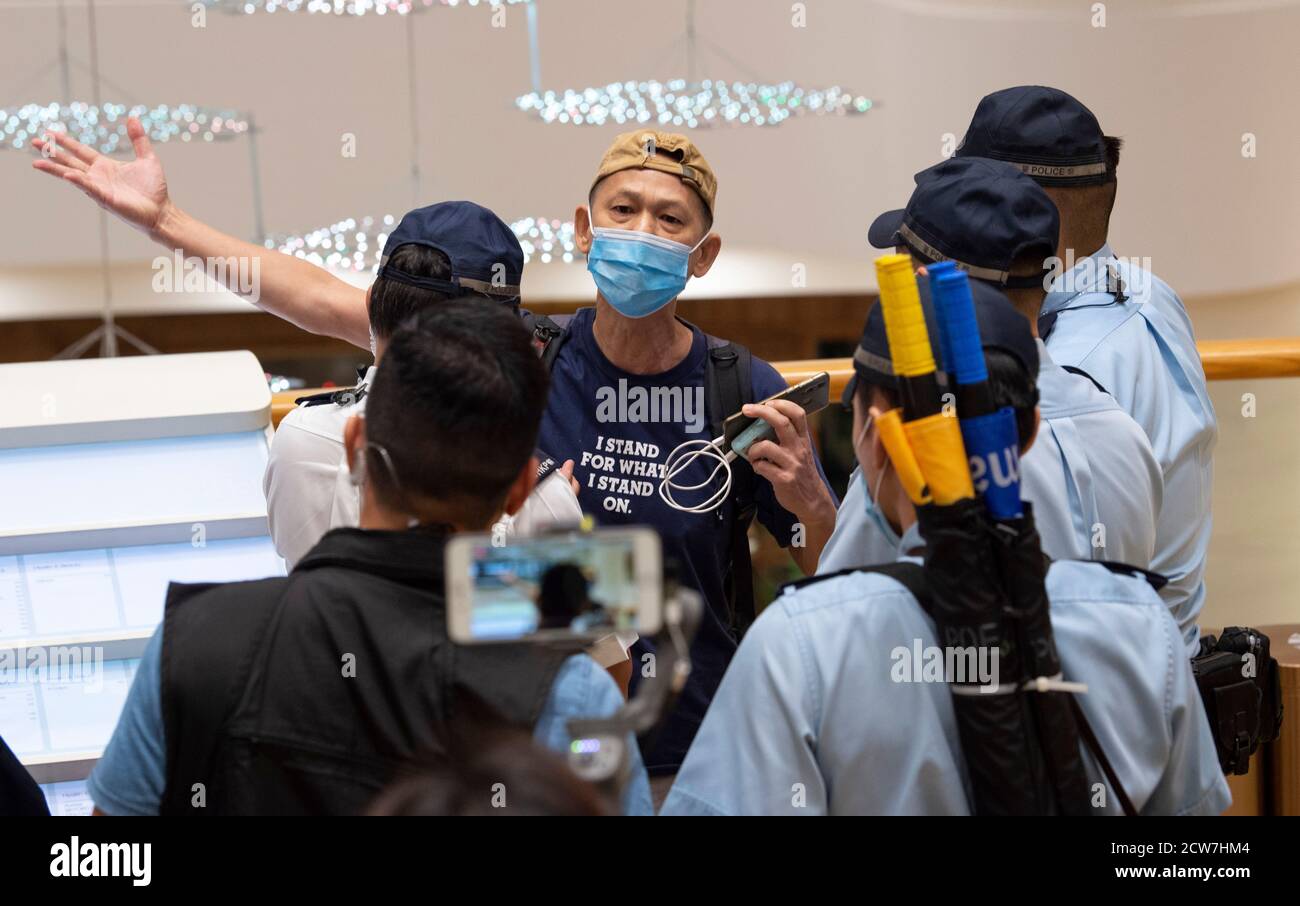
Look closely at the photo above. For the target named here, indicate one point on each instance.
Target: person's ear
(1033, 435)
(522, 486)
(582, 235)
(706, 254)
(354, 441)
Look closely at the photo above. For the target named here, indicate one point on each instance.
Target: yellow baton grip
(890, 426)
(936, 444)
(909, 341)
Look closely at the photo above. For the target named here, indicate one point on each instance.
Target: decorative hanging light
(695, 105)
(104, 127)
(357, 245)
(346, 7)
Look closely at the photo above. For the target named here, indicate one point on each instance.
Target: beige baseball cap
(667, 152)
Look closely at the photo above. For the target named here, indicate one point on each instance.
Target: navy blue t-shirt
(618, 427)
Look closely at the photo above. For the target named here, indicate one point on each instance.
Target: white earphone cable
(681, 458)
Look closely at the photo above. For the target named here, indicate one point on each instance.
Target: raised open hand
(134, 190)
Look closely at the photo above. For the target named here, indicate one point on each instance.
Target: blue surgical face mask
(874, 513)
(638, 273)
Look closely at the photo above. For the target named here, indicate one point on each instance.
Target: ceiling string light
(690, 102)
(696, 104)
(345, 7)
(104, 127)
(356, 245)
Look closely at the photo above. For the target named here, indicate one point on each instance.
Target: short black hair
(1113, 146)
(456, 402)
(1009, 385)
(393, 303)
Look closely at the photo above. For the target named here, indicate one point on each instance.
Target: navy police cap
(1044, 132)
(484, 252)
(982, 215)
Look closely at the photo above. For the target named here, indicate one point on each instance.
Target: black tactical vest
(308, 694)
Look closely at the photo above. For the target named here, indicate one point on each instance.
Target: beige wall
(1255, 549)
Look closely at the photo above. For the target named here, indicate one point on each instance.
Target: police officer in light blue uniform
(1094, 481)
(1115, 320)
(825, 711)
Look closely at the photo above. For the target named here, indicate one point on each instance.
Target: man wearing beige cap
(631, 382)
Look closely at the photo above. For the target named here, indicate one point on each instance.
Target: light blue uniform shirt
(130, 777)
(1143, 352)
(808, 721)
(1094, 481)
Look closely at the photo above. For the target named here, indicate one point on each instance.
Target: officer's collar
(412, 557)
(1093, 274)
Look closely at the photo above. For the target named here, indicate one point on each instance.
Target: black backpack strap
(549, 334)
(1154, 579)
(727, 387)
(909, 575)
(1157, 582)
(1094, 746)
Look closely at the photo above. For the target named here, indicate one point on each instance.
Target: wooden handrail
(1224, 360)
(1234, 360)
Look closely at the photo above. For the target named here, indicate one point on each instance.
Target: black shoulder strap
(1094, 745)
(727, 383)
(1155, 580)
(909, 575)
(549, 334)
(1074, 369)
(1089, 738)
(727, 387)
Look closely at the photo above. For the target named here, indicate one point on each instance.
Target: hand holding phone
(742, 432)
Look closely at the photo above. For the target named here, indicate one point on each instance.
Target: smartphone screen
(568, 585)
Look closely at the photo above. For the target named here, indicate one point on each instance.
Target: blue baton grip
(954, 310)
(993, 447)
